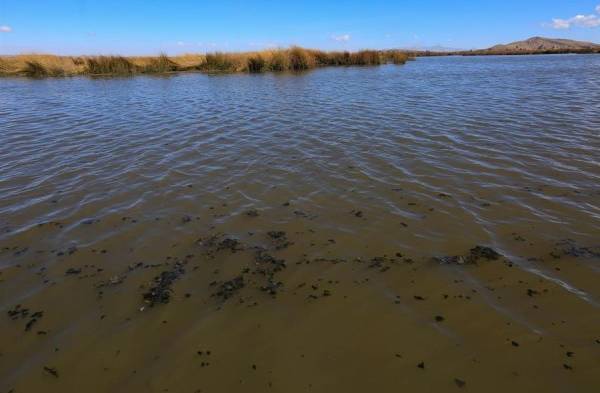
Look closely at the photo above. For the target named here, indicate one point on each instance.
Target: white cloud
(5, 29)
(585, 21)
(560, 24)
(341, 38)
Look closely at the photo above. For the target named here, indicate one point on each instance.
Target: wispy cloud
(341, 38)
(576, 21)
(268, 45)
(585, 21)
(5, 29)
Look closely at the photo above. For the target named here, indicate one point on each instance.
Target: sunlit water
(513, 143)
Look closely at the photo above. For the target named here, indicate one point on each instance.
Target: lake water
(325, 170)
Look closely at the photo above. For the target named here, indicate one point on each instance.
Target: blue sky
(151, 26)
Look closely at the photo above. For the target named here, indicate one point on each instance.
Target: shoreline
(485, 52)
(280, 60)
(295, 59)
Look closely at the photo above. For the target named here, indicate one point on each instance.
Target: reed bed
(292, 59)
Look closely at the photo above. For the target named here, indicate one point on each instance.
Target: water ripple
(517, 134)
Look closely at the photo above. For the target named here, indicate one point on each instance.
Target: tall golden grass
(276, 60)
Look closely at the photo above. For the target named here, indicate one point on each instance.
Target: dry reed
(292, 59)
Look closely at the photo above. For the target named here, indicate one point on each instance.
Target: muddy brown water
(279, 233)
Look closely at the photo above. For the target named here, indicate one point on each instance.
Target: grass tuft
(300, 59)
(110, 65)
(219, 62)
(396, 57)
(279, 62)
(256, 64)
(160, 64)
(4, 67)
(34, 69)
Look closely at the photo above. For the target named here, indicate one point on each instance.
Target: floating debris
(357, 213)
(230, 288)
(481, 252)
(460, 383)
(34, 318)
(186, 219)
(280, 239)
(532, 292)
(19, 312)
(271, 287)
(52, 371)
(570, 248)
(230, 244)
(160, 293)
(475, 255)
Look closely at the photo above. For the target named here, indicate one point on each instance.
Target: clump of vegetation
(397, 57)
(78, 61)
(300, 59)
(367, 58)
(219, 62)
(34, 69)
(279, 62)
(56, 71)
(256, 64)
(110, 65)
(160, 64)
(360, 58)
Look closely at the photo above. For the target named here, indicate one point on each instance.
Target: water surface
(423, 160)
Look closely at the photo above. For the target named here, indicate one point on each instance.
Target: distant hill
(537, 45)
(531, 46)
(544, 44)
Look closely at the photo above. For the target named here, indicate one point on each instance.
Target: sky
(136, 27)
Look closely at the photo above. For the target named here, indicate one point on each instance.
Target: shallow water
(427, 159)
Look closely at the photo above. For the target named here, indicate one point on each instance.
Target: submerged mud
(262, 313)
(347, 230)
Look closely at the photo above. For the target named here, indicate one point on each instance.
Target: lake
(304, 232)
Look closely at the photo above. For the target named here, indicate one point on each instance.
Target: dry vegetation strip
(292, 59)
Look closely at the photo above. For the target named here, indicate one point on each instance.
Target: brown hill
(541, 44)
(533, 46)
(536, 45)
